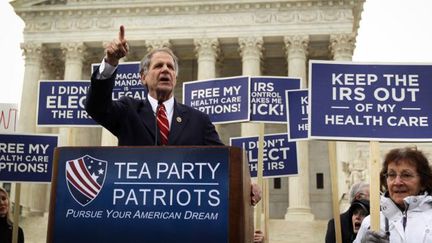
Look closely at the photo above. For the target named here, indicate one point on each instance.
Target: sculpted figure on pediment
(356, 170)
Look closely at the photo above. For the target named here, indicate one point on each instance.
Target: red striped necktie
(162, 122)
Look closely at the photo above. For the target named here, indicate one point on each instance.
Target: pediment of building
(87, 20)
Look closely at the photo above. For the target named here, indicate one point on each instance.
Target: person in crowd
(5, 221)
(134, 121)
(358, 210)
(358, 191)
(406, 204)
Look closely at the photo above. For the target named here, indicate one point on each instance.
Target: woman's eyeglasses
(404, 176)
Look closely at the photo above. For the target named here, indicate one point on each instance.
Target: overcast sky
(390, 31)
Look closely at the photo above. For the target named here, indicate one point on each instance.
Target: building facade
(62, 38)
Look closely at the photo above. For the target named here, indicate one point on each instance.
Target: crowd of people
(405, 202)
(406, 177)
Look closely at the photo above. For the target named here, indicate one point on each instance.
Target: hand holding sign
(117, 49)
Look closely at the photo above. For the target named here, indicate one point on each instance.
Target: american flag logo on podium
(85, 177)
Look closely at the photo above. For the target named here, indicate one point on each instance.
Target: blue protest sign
(280, 156)
(388, 102)
(268, 98)
(297, 114)
(127, 81)
(26, 158)
(225, 100)
(153, 194)
(61, 103)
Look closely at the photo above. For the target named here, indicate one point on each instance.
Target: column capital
(32, 51)
(342, 46)
(52, 64)
(251, 46)
(207, 47)
(296, 46)
(157, 43)
(74, 50)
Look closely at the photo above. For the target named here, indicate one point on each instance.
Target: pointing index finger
(121, 33)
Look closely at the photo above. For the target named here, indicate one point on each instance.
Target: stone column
(207, 52)
(33, 59)
(51, 65)
(342, 48)
(251, 49)
(32, 195)
(299, 200)
(74, 57)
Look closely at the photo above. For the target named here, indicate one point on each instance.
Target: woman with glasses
(406, 205)
(5, 221)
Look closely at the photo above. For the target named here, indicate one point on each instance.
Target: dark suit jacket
(133, 121)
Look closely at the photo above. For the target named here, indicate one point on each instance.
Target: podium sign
(140, 194)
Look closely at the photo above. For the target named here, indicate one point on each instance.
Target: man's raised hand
(117, 49)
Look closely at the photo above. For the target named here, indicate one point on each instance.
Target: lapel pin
(179, 119)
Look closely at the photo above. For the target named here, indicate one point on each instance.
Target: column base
(27, 212)
(299, 214)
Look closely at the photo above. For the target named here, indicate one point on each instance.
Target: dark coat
(6, 232)
(132, 121)
(348, 235)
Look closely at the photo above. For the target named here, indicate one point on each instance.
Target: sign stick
(334, 185)
(259, 208)
(266, 209)
(375, 167)
(16, 213)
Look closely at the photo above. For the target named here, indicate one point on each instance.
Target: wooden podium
(150, 194)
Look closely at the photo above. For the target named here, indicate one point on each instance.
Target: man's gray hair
(145, 62)
(358, 190)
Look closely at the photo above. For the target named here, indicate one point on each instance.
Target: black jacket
(348, 235)
(6, 232)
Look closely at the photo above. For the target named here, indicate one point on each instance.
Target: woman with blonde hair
(5, 221)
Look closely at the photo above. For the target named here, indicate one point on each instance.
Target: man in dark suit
(133, 121)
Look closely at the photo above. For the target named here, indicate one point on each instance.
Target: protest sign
(383, 102)
(297, 114)
(268, 98)
(26, 158)
(280, 156)
(8, 117)
(225, 100)
(154, 195)
(127, 81)
(62, 103)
